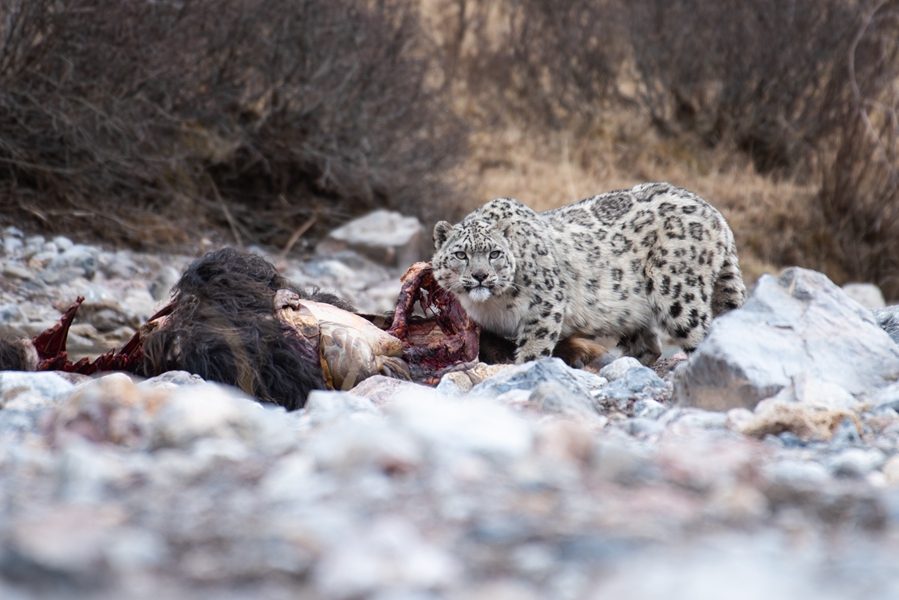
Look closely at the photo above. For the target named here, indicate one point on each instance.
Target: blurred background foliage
(155, 123)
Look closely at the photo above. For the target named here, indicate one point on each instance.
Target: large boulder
(797, 324)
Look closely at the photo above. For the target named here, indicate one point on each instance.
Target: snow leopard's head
(474, 259)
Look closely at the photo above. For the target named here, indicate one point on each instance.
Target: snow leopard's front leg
(541, 328)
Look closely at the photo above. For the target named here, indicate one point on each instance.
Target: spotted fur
(616, 264)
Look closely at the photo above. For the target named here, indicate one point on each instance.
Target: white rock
(619, 367)
(63, 243)
(866, 294)
(384, 236)
(12, 241)
(798, 323)
(807, 389)
(11, 313)
(47, 386)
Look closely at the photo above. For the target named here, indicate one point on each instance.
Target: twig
(299, 232)
(225, 210)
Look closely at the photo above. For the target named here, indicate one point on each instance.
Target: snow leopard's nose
(479, 276)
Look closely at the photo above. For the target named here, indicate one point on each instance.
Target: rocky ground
(765, 466)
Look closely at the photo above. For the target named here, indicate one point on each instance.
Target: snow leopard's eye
(461, 255)
(495, 254)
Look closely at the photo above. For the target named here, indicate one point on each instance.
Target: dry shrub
(761, 74)
(148, 121)
(859, 194)
(551, 61)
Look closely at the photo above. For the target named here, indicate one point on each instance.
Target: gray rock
(107, 319)
(17, 269)
(797, 474)
(642, 427)
(63, 549)
(171, 380)
(34, 243)
(163, 283)
(855, 462)
(619, 367)
(347, 269)
(886, 398)
(63, 243)
(386, 237)
(888, 319)
(798, 323)
(620, 459)
(866, 294)
(11, 312)
(649, 409)
(791, 440)
(530, 375)
(77, 261)
(637, 383)
(695, 418)
(120, 265)
(12, 241)
(846, 434)
(552, 397)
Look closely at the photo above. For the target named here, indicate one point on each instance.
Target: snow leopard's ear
(441, 232)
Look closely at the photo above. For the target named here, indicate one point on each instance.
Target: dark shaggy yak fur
(15, 355)
(223, 329)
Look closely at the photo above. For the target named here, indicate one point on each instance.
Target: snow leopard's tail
(729, 291)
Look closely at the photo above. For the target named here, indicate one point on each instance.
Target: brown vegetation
(151, 122)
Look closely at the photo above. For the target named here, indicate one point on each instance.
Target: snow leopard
(618, 264)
